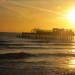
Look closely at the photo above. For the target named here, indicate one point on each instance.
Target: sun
(71, 15)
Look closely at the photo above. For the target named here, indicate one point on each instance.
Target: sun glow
(71, 15)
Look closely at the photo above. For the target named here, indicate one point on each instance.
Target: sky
(25, 15)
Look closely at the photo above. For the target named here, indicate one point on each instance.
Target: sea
(47, 58)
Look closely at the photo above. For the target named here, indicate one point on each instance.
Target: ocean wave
(23, 55)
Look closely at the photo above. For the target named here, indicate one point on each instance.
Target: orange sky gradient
(25, 15)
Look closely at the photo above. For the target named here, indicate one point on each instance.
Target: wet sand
(19, 66)
(32, 69)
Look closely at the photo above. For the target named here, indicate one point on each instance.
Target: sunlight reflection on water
(71, 63)
(73, 50)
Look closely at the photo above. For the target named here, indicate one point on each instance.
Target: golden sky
(24, 15)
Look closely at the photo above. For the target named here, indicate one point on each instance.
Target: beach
(37, 37)
(27, 57)
(35, 69)
(37, 65)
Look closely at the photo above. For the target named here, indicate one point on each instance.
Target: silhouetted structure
(55, 35)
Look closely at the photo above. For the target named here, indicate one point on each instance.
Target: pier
(54, 34)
